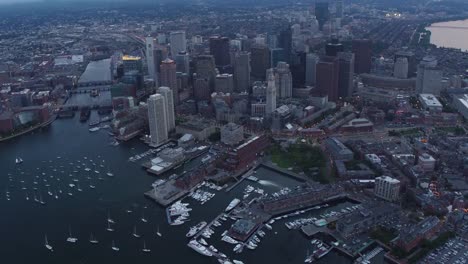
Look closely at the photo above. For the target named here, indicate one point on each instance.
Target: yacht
(49, 247)
(109, 228)
(18, 160)
(114, 247)
(92, 239)
(110, 174)
(144, 249)
(195, 229)
(143, 219)
(199, 248)
(94, 129)
(237, 262)
(232, 204)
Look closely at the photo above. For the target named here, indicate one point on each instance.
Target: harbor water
(55, 159)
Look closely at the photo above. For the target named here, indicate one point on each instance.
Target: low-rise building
(338, 150)
(201, 129)
(426, 162)
(430, 102)
(232, 134)
(412, 236)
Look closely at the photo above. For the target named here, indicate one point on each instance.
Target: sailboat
(114, 247)
(78, 188)
(70, 238)
(40, 200)
(93, 240)
(135, 234)
(158, 233)
(109, 173)
(109, 228)
(144, 249)
(143, 219)
(49, 247)
(35, 198)
(109, 219)
(55, 195)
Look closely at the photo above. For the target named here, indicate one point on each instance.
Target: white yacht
(18, 160)
(232, 204)
(195, 229)
(109, 228)
(49, 247)
(114, 247)
(92, 239)
(70, 238)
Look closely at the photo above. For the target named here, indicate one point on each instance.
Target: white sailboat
(41, 201)
(49, 247)
(109, 228)
(93, 240)
(144, 249)
(158, 233)
(109, 219)
(70, 238)
(114, 247)
(135, 234)
(143, 219)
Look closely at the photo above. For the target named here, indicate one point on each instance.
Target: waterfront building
(412, 236)
(241, 157)
(232, 134)
(166, 92)
(387, 188)
(157, 118)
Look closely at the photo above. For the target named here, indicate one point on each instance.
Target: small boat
(94, 129)
(144, 249)
(135, 234)
(92, 239)
(49, 247)
(143, 219)
(41, 201)
(109, 219)
(18, 160)
(114, 247)
(232, 204)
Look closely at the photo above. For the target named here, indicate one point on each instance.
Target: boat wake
(268, 183)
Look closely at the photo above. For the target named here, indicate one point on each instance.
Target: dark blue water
(23, 223)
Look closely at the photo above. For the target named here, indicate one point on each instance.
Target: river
(55, 152)
(451, 34)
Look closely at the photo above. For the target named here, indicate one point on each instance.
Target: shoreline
(31, 129)
(430, 27)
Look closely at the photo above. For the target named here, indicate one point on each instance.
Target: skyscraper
(400, 69)
(283, 80)
(333, 47)
(339, 8)
(362, 49)
(178, 42)
(242, 71)
(311, 68)
(270, 93)
(276, 56)
(412, 63)
(157, 119)
(327, 77)
(151, 63)
(182, 62)
(285, 43)
(346, 74)
(387, 188)
(219, 48)
(224, 83)
(322, 13)
(260, 60)
(429, 76)
(166, 92)
(169, 77)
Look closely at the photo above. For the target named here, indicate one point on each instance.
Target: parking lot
(455, 251)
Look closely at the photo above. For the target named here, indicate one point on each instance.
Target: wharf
(244, 174)
(291, 174)
(168, 194)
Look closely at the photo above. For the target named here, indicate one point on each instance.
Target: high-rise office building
(346, 74)
(285, 43)
(219, 48)
(298, 68)
(311, 68)
(224, 83)
(327, 77)
(132, 63)
(166, 92)
(182, 60)
(178, 42)
(259, 60)
(157, 118)
(169, 77)
(201, 88)
(270, 93)
(242, 72)
(333, 47)
(339, 8)
(150, 58)
(387, 188)
(429, 76)
(283, 80)
(412, 63)
(362, 49)
(322, 13)
(400, 69)
(276, 56)
(205, 68)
